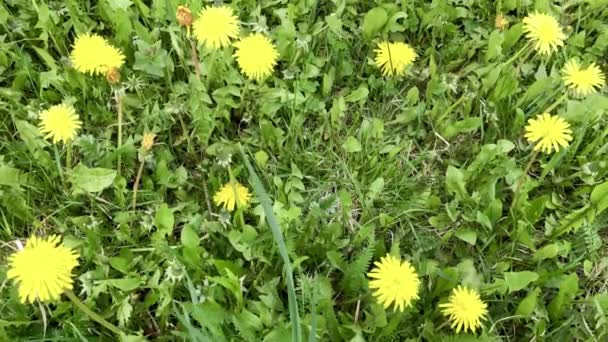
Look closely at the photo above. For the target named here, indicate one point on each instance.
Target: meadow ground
(345, 170)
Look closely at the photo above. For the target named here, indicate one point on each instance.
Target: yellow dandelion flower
(93, 55)
(544, 32)
(582, 81)
(394, 282)
(215, 27)
(43, 269)
(548, 132)
(256, 56)
(60, 123)
(465, 309)
(230, 193)
(394, 58)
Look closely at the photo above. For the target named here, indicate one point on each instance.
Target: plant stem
(517, 54)
(140, 170)
(118, 98)
(68, 156)
(58, 161)
(80, 305)
(195, 61)
(520, 182)
(210, 67)
(235, 193)
(556, 103)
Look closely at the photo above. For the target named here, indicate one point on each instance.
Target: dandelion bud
(113, 76)
(184, 16)
(501, 22)
(147, 141)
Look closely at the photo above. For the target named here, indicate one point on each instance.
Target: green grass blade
(264, 199)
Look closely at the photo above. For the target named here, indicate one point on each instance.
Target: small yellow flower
(184, 16)
(394, 282)
(60, 123)
(147, 141)
(215, 27)
(256, 56)
(544, 32)
(394, 58)
(501, 22)
(548, 132)
(93, 55)
(43, 269)
(230, 194)
(582, 81)
(465, 309)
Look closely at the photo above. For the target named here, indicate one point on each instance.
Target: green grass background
(355, 166)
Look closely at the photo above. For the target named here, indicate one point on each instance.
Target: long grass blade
(264, 199)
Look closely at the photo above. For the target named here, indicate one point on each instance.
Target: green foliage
(344, 166)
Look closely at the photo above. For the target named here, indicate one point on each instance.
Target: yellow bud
(184, 16)
(501, 22)
(147, 141)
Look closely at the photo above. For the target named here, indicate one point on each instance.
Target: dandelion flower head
(94, 55)
(548, 132)
(256, 56)
(394, 282)
(394, 58)
(215, 26)
(43, 269)
(59, 123)
(230, 193)
(584, 81)
(465, 309)
(544, 32)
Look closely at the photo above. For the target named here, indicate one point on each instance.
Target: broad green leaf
(85, 179)
(462, 126)
(164, 220)
(599, 197)
(467, 235)
(568, 288)
(527, 305)
(11, 176)
(494, 45)
(374, 21)
(358, 94)
(351, 145)
(547, 252)
(189, 237)
(454, 182)
(516, 281)
(375, 189)
(124, 284)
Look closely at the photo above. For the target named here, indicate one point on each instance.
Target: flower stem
(520, 182)
(517, 54)
(195, 61)
(556, 103)
(239, 205)
(119, 112)
(137, 179)
(68, 155)
(80, 305)
(58, 161)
